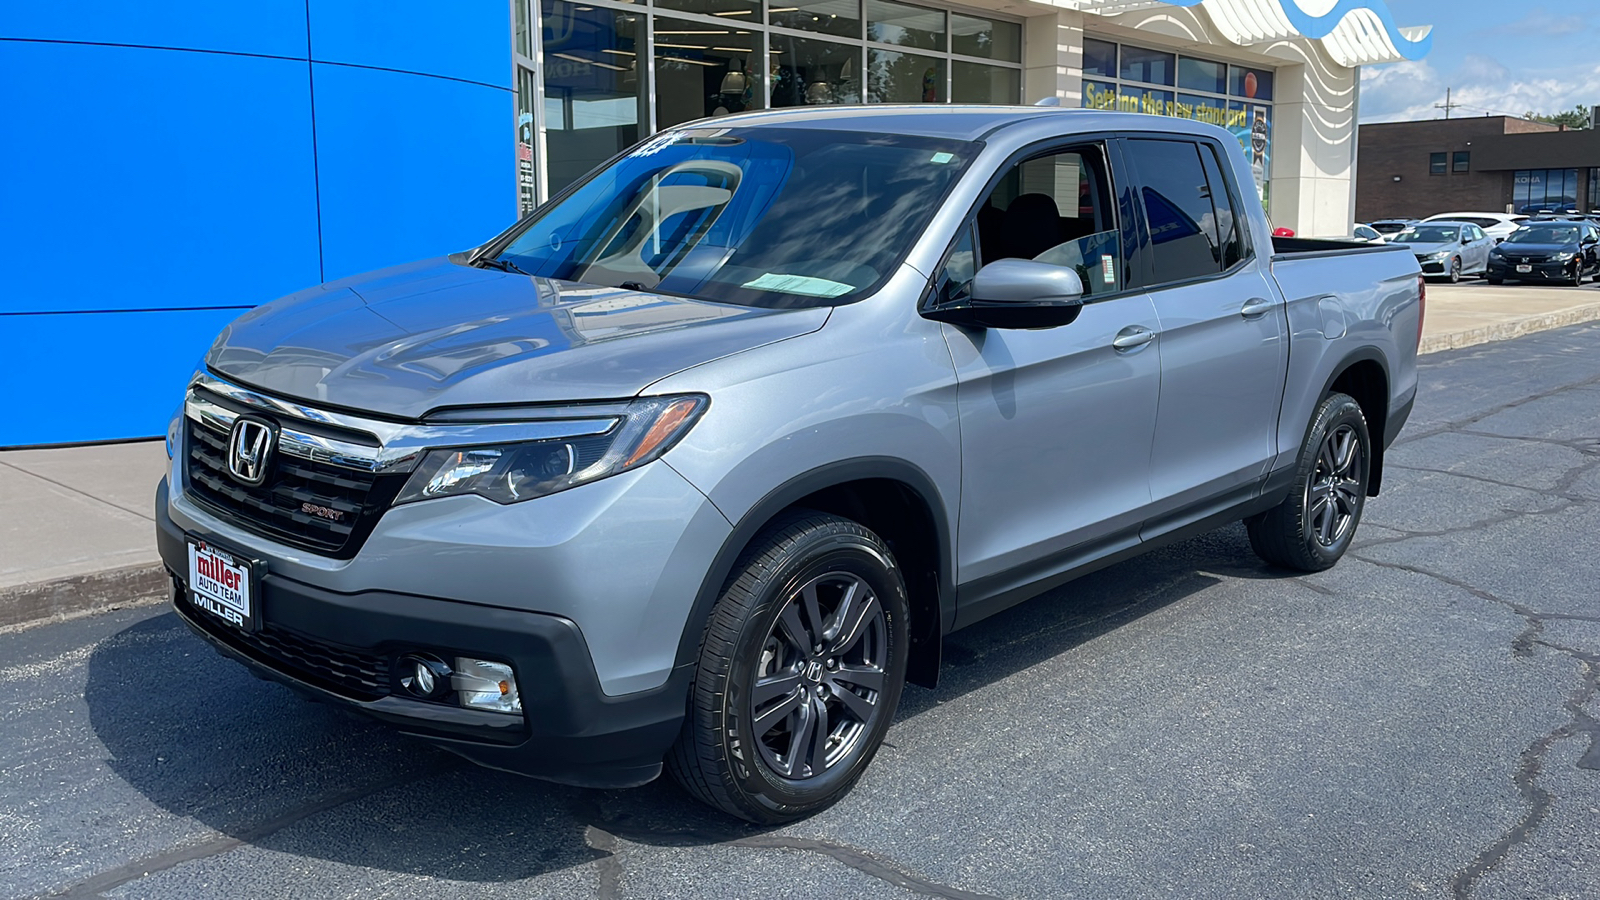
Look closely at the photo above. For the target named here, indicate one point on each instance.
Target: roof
(951, 121)
(1354, 32)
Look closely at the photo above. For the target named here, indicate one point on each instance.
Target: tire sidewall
(1335, 411)
(839, 552)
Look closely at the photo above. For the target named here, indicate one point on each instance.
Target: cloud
(1541, 22)
(1480, 85)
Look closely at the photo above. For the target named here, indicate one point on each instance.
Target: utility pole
(1446, 105)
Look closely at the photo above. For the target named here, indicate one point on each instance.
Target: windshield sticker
(1108, 269)
(943, 157)
(798, 284)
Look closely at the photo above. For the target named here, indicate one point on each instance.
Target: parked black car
(1556, 251)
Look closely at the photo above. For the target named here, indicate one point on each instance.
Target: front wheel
(1455, 270)
(800, 670)
(1313, 526)
(1577, 274)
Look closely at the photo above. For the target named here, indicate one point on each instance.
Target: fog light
(424, 676)
(486, 685)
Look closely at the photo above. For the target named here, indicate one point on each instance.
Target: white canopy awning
(1354, 32)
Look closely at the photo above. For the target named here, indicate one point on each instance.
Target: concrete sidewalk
(77, 531)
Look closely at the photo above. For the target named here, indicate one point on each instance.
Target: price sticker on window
(1108, 269)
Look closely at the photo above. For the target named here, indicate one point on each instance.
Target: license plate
(1524, 268)
(222, 585)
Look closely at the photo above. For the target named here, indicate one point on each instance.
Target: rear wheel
(1314, 525)
(800, 670)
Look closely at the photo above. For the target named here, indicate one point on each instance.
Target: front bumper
(341, 648)
(1544, 271)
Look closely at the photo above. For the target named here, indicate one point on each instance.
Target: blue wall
(168, 164)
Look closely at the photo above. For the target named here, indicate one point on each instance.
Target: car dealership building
(170, 165)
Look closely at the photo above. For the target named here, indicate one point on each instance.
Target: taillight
(1422, 305)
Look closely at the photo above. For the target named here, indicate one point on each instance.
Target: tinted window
(1461, 160)
(1230, 226)
(1436, 163)
(1099, 58)
(1184, 234)
(1150, 66)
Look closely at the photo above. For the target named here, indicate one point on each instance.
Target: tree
(1577, 117)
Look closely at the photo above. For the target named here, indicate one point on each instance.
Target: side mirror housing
(1017, 293)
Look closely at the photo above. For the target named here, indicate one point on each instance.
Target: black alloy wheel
(821, 675)
(800, 670)
(1334, 493)
(1576, 279)
(1312, 527)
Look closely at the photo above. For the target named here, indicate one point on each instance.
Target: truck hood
(1540, 248)
(410, 339)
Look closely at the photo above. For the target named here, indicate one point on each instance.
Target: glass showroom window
(610, 72)
(1544, 188)
(1163, 83)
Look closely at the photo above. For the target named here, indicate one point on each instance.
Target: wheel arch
(1364, 375)
(893, 498)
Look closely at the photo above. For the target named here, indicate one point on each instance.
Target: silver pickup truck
(695, 466)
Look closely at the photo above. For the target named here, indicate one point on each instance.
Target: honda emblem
(249, 446)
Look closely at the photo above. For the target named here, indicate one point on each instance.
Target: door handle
(1133, 336)
(1255, 308)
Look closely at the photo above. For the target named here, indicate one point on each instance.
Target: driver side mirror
(1016, 293)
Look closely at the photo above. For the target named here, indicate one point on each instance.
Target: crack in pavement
(1531, 762)
(855, 858)
(110, 879)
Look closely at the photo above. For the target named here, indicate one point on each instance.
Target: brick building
(1487, 164)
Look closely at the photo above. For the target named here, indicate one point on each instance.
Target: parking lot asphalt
(1420, 721)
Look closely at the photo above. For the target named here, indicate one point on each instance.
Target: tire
(1313, 526)
(1577, 274)
(1455, 270)
(751, 745)
(1495, 280)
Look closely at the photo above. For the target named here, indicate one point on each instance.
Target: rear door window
(1185, 232)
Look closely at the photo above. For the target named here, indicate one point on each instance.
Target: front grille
(357, 674)
(1525, 260)
(276, 507)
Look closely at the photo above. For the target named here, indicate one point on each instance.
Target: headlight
(1564, 256)
(1440, 255)
(1495, 252)
(508, 473)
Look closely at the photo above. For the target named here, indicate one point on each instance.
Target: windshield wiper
(495, 262)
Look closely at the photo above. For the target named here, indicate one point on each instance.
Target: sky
(1498, 57)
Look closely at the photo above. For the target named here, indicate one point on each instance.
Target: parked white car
(1497, 226)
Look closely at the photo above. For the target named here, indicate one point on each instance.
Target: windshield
(1429, 234)
(771, 217)
(1545, 234)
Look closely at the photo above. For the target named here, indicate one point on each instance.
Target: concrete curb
(1501, 331)
(94, 591)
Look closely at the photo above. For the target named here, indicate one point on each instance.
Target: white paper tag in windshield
(798, 284)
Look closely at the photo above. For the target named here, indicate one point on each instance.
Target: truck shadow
(201, 738)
